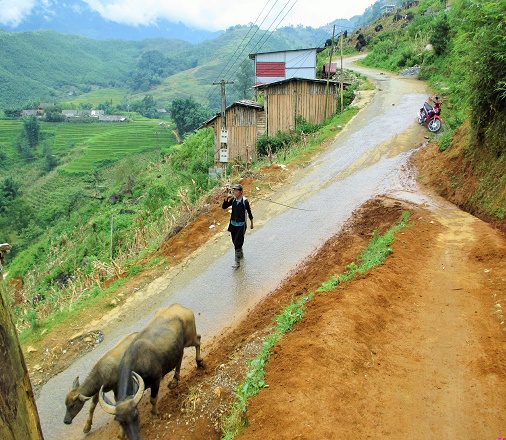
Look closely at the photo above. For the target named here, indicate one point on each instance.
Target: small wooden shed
(245, 122)
(285, 101)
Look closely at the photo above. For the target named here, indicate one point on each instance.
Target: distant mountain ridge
(48, 57)
(79, 19)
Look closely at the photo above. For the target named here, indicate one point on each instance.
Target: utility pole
(112, 230)
(224, 134)
(341, 81)
(328, 74)
(18, 413)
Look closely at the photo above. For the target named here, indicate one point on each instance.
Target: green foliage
(188, 115)
(268, 145)
(303, 126)
(441, 35)
(9, 190)
(241, 89)
(445, 140)
(31, 130)
(481, 42)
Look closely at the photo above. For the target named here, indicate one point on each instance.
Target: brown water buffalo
(103, 374)
(156, 350)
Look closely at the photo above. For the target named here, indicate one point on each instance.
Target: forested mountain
(47, 65)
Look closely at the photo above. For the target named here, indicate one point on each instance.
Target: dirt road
(415, 348)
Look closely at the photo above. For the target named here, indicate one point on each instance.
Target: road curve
(365, 159)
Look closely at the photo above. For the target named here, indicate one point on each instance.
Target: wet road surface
(367, 158)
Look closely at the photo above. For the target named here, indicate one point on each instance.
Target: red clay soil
(413, 349)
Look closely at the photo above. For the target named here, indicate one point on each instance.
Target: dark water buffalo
(156, 350)
(103, 374)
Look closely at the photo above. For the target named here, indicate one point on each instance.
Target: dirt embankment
(415, 348)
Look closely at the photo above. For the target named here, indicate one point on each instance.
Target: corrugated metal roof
(318, 50)
(243, 103)
(324, 81)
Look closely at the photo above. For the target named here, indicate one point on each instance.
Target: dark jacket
(238, 209)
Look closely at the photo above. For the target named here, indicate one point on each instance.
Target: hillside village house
(288, 82)
(277, 66)
(245, 122)
(285, 101)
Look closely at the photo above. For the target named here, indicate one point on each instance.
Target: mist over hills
(46, 58)
(82, 20)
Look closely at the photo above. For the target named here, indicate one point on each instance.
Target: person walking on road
(237, 226)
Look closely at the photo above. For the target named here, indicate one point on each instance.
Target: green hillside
(460, 48)
(48, 66)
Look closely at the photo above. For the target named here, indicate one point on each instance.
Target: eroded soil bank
(414, 348)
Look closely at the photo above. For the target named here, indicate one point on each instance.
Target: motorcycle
(431, 115)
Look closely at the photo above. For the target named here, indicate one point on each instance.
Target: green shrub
(445, 140)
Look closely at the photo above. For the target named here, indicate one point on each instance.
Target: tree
(13, 112)
(153, 62)
(188, 115)
(244, 81)
(20, 213)
(51, 162)
(3, 157)
(18, 413)
(9, 190)
(440, 37)
(31, 130)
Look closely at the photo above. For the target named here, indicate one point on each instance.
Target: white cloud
(12, 12)
(201, 14)
(221, 14)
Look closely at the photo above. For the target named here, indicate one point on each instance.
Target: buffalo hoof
(87, 428)
(173, 384)
(200, 363)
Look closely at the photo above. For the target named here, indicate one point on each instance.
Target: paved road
(367, 158)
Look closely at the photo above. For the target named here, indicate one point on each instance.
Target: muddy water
(367, 158)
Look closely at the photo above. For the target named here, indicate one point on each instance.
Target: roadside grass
(309, 143)
(378, 249)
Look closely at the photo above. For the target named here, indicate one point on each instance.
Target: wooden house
(310, 99)
(280, 65)
(245, 122)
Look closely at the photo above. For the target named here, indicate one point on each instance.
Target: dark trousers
(237, 234)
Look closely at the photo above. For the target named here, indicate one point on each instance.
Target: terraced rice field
(98, 142)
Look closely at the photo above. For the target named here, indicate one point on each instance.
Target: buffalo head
(125, 411)
(74, 401)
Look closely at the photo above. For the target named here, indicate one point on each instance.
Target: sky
(209, 15)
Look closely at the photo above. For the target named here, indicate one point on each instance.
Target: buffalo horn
(105, 404)
(140, 391)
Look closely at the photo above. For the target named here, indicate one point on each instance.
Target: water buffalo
(103, 374)
(156, 350)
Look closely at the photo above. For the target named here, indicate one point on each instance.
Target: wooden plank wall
(242, 132)
(285, 102)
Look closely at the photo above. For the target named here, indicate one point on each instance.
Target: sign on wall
(224, 136)
(223, 155)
